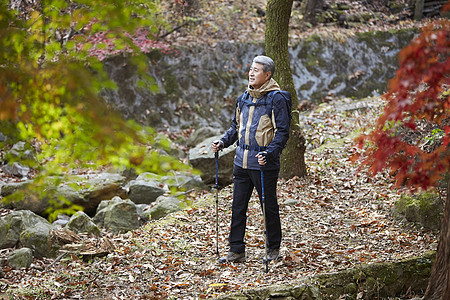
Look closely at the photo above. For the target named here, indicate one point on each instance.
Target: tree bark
(418, 10)
(310, 9)
(439, 283)
(277, 29)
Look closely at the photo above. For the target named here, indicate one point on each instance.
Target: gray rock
(16, 169)
(68, 192)
(20, 258)
(60, 223)
(182, 182)
(37, 238)
(2, 183)
(117, 215)
(89, 190)
(9, 188)
(201, 134)
(19, 146)
(426, 209)
(202, 158)
(128, 173)
(22, 151)
(171, 148)
(28, 229)
(2, 262)
(81, 222)
(38, 202)
(98, 187)
(99, 217)
(10, 229)
(140, 208)
(163, 206)
(3, 138)
(86, 191)
(145, 189)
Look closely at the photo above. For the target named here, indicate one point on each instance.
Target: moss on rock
(425, 209)
(383, 280)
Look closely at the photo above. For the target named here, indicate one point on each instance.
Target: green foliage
(50, 80)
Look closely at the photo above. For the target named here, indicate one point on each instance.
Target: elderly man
(261, 129)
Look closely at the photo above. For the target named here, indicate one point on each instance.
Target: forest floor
(333, 219)
(216, 21)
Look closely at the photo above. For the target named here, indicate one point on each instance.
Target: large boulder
(162, 207)
(26, 203)
(117, 215)
(98, 187)
(202, 158)
(86, 191)
(183, 182)
(16, 169)
(20, 258)
(145, 189)
(29, 230)
(10, 229)
(37, 200)
(82, 223)
(201, 134)
(11, 187)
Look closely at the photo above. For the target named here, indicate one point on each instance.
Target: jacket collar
(269, 85)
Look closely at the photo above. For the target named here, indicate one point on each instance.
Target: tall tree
(277, 29)
(51, 77)
(411, 137)
(310, 8)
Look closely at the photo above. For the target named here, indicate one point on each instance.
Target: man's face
(256, 76)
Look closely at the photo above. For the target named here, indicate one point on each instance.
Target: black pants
(244, 182)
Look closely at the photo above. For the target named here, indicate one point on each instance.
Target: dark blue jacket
(259, 125)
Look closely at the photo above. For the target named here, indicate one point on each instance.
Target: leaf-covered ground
(212, 22)
(333, 219)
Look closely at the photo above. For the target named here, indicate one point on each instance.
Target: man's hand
(262, 157)
(216, 146)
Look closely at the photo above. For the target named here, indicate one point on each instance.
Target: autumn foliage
(411, 137)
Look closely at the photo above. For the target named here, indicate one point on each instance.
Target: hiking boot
(232, 257)
(272, 254)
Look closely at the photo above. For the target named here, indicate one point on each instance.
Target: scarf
(269, 85)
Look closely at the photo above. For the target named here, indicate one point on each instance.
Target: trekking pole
(261, 168)
(216, 155)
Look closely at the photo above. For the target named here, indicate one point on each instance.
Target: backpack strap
(244, 99)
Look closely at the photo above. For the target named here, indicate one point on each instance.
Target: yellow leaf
(217, 284)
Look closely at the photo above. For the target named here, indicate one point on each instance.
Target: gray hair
(267, 63)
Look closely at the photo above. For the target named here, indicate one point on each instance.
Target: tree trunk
(310, 9)
(439, 283)
(418, 10)
(277, 27)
